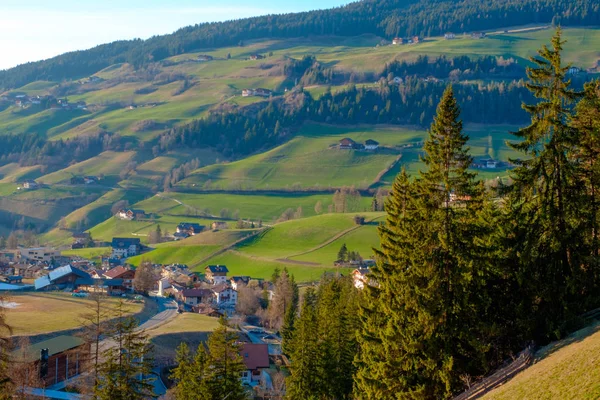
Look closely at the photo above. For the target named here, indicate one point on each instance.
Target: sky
(32, 30)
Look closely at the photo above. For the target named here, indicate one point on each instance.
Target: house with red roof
(256, 359)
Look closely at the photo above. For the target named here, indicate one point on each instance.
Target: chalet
(237, 282)
(398, 40)
(190, 229)
(219, 225)
(371, 144)
(491, 164)
(263, 92)
(125, 247)
(224, 296)
(256, 359)
(216, 274)
(449, 36)
(30, 184)
(57, 359)
(256, 57)
(130, 214)
(38, 254)
(193, 297)
(60, 278)
(122, 273)
(477, 35)
(360, 277)
(248, 92)
(416, 39)
(346, 144)
(204, 57)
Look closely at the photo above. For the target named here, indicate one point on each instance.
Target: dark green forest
(386, 18)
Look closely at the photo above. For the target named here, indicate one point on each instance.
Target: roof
(371, 141)
(217, 269)
(361, 271)
(116, 272)
(347, 141)
(189, 225)
(56, 345)
(123, 243)
(57, 274)
(99, 282)
(221, 288)
(255, 355)
(240, 279)
(196, 292)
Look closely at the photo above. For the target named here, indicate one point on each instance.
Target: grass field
(93, 253)
(48, 312)
(563, 370)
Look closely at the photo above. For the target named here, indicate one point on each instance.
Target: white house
(398, 40)
(216, 274)
(224, 296)
(491, 164)
(238, 281)
(256, 358)
(360, 277)
(449, 36)
(125, 247)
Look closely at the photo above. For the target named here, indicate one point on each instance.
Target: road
(167, 310)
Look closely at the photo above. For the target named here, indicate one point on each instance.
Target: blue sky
(32, 30)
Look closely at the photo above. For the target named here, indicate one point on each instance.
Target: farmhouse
(193, 297)
(256, 57)
(371, 144)
(478, 35)
(61, 278)
(256, 358)
(30, 184)
(346, 144)
(449, 36)
(398, 40)
(248, 92)
(128, 214)
(57, 359)
(573, 71)
(125, 247)
(216, 274)
(219, 225)
(416, 39)
(190, 229)
(121, 273)
(360, 277)
(491, 164)
(263, 92)
(204, 57)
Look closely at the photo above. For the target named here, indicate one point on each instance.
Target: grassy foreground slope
(565, 370)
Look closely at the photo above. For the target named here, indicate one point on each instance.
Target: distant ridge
(386, 18)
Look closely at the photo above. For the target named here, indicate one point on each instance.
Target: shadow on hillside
(576, 337)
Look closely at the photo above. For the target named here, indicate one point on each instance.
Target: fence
(523, 360)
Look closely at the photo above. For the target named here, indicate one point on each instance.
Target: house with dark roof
(125, 247)
(189, 228)
(239, 281)
(57, 359)
(61, 278)
(216, 274)
(256, 359)
(193, 297)
(371, 144)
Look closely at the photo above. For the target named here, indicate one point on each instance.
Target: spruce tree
(303, 382)
(545, 199)
(189, 374)
(418, 332)
(287, 329)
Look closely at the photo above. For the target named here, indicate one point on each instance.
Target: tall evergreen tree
(189, 374)
(303, 382)
(287, 329)
(428, 335)
(545, 199)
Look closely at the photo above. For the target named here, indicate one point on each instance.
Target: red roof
(255, 355)
(116, 272)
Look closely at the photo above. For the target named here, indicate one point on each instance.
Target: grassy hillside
(563, 370)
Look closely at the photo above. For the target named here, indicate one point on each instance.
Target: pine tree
(287, 329)
(189, 374)
(225, 365)
(545, 200)
(417, 338)
(303, 382)
(343, 253)
(126, 370)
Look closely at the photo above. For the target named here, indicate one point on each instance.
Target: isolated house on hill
(131, 214)
(449, 36)
(219, 225)
(190, 229)
(371, 144)
(346, 144)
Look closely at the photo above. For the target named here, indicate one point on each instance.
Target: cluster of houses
(260, 92)
(25, 101)
(349, 144)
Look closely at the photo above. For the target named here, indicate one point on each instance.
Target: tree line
(386, 18)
